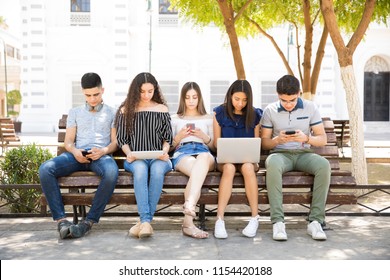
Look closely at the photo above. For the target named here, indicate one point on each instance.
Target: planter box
(18, 127)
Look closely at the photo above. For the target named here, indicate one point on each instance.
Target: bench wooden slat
(206, 198)
(8, 137)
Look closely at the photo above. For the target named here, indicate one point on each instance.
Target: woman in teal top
(237, 118)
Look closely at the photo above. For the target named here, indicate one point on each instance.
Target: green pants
(280, 162)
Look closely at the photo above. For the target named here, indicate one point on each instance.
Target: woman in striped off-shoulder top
(144, 124)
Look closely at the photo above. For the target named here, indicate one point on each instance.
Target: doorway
(376, 96)
(376, 90)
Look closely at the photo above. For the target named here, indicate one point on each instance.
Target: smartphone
(85, 152)
(191, 126)
(290, 132)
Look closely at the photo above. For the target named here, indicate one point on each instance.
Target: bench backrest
(342, 131)
(7, 131)
(330, 151)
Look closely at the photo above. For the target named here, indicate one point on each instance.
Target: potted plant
(14, 99)
(20, 166)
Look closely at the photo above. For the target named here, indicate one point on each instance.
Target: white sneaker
(251, 229)
(279, 231)
(315, 230)
(219, 230)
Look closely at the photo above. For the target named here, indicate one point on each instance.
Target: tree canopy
(252, 18)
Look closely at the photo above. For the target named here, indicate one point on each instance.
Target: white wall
(116, 45)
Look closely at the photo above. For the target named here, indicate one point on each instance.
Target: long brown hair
(129, 106)
(248, 112)
(181, 111)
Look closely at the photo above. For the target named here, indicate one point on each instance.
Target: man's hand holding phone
(86, 152)
(290, 132)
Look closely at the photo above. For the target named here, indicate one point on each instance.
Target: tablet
(146, 154)
(238, 150)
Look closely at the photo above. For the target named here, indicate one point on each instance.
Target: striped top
(150, 131)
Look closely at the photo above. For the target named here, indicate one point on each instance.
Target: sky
(10, 11)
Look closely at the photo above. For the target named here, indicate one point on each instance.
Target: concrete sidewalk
(349, 238)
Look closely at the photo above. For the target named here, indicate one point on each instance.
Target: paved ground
(350, 238)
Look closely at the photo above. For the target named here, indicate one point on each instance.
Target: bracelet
(208, 142)
(308, 139)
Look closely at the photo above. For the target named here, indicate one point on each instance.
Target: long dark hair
(129, 106)
(181, 110)
(248, 112)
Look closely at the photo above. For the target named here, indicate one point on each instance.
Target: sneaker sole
(65, 233)
(145, 235)
(76, 234)
(317, 238)
(220, 236)
(249, 235)
(279, 238)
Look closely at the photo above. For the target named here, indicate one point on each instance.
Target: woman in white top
(192, 129)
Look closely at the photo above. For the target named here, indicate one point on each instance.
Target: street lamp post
(289, 41)
(150, 35)
(5, 79)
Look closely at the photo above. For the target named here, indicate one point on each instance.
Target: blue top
(235, 128)
(93, 129)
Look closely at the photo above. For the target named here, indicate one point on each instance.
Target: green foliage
(20, 166)
(14, 97)
(273, 13)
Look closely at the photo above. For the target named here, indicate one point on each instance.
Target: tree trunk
(345, 56)
(228, 19)
(306, 82)
(359, 164)
(276, 46)
(318, 62)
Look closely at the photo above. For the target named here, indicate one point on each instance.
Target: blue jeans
(65, 164)
(188, 149)
(148, 177)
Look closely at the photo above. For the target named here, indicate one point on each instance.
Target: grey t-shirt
(93, 129)
(302, 117)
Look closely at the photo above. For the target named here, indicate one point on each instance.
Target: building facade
(63, 39)
(10, 58)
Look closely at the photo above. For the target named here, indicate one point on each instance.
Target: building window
(80, 13)
(164, 8)
(10, 51)
(78, 98)
(82, 6)
(218, 91)
(268, 93)
(170, 90)
(168, 17)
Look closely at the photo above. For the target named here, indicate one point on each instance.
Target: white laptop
(238, 150)
(146, 154)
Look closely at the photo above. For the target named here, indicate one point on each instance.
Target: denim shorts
(188, 149)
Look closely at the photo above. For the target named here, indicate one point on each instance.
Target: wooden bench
(8, 137)
(78, 188)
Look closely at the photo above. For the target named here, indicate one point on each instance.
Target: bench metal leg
(202, 216)
(75, 215)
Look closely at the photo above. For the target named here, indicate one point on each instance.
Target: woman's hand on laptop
(164, 157)
(130, 158)
(165, 149)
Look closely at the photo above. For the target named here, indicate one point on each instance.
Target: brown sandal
(189, 209)
(194, 232)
